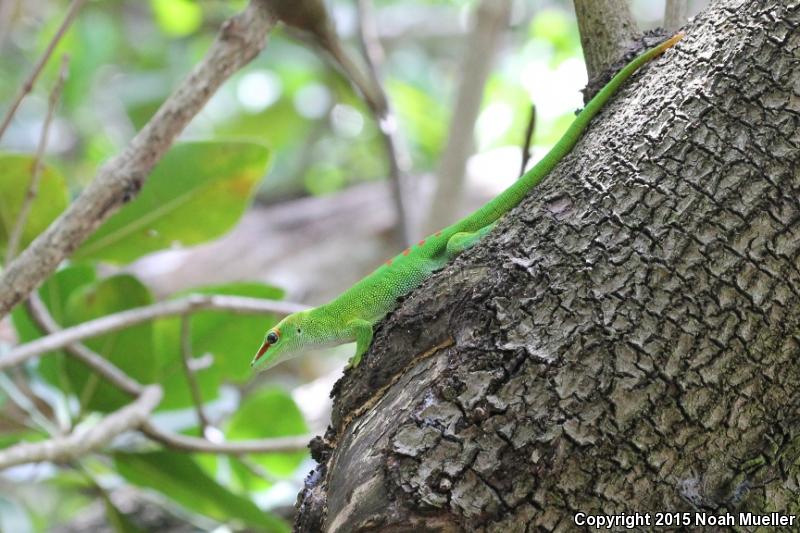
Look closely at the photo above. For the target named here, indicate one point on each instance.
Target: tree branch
(526, 142)
(130, 386)
(7, 8)
(41, 316)
(36, 174)
(28, 84)
(59, 338)
(195, 444)
(186, 357)
(26, 405)
(396, 155)
(491, 19)
(121, 178)
(81, 442)
(676, 13)
(608, 30)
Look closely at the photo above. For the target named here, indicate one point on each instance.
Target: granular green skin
(351, 315)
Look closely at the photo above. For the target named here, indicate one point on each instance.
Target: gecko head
(284, 341)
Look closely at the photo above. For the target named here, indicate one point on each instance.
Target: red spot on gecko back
(438, 233)
(388, 262)
(422, 242)
(406, 251)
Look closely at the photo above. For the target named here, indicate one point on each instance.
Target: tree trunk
(608, 30)
(625, 340)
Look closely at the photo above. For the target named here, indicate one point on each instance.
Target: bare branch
(380, 107)
(526, 142)
(607, 29)
(26, 405)
(130, 386)
(312, 20)
(7, 8)
(41, 316)
(491, 20)
(196, 444)
(186, 356)
(38, 164)
(82, 442)
(27, 86)
(120, 179)
(676, 13)
(131, 317)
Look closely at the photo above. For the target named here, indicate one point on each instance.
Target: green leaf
(423, 116)
(270, 412)
(196, 193)
(130, 349)
(95, 39)
(179, 478)
(231, 340)
(177, 17)
(54, 293)
(51, 198)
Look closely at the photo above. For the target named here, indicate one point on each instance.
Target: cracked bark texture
(626, 340)
(607, 29)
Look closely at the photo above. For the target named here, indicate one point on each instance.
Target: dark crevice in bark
(626, 340)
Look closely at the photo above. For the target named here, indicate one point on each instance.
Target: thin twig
(26, 405)
(7, 8)
(79, 443)
(130, 386)
(526, 142)
(195, 444)
(491, 18)
(102, 366)
(27, 86)
(186, 356)
(131, 317)
(38, 164)
(256, 469)
(381, 109)
(120, 179)
(20, 380)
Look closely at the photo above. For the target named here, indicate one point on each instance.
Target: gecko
(352, 315)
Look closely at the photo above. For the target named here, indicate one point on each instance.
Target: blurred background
(320, 218)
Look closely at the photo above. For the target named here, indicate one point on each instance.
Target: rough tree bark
(608, 30)
(627, 340)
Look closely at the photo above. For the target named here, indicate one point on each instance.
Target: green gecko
(352, 315)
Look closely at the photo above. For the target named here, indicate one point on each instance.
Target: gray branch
(79, 443)
(241, 38)
(38, 165)
(191, 379)
(30, 81)
(396, 154)
(491, 19)
(125, 319)
(128, 385)
(607, 29)
(195, 444)
(676, 14)
(41, 316)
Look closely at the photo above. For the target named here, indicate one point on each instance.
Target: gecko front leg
(362, 331)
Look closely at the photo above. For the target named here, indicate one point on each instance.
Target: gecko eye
(272, 337)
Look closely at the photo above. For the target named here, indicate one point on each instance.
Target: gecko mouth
(261, 352)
